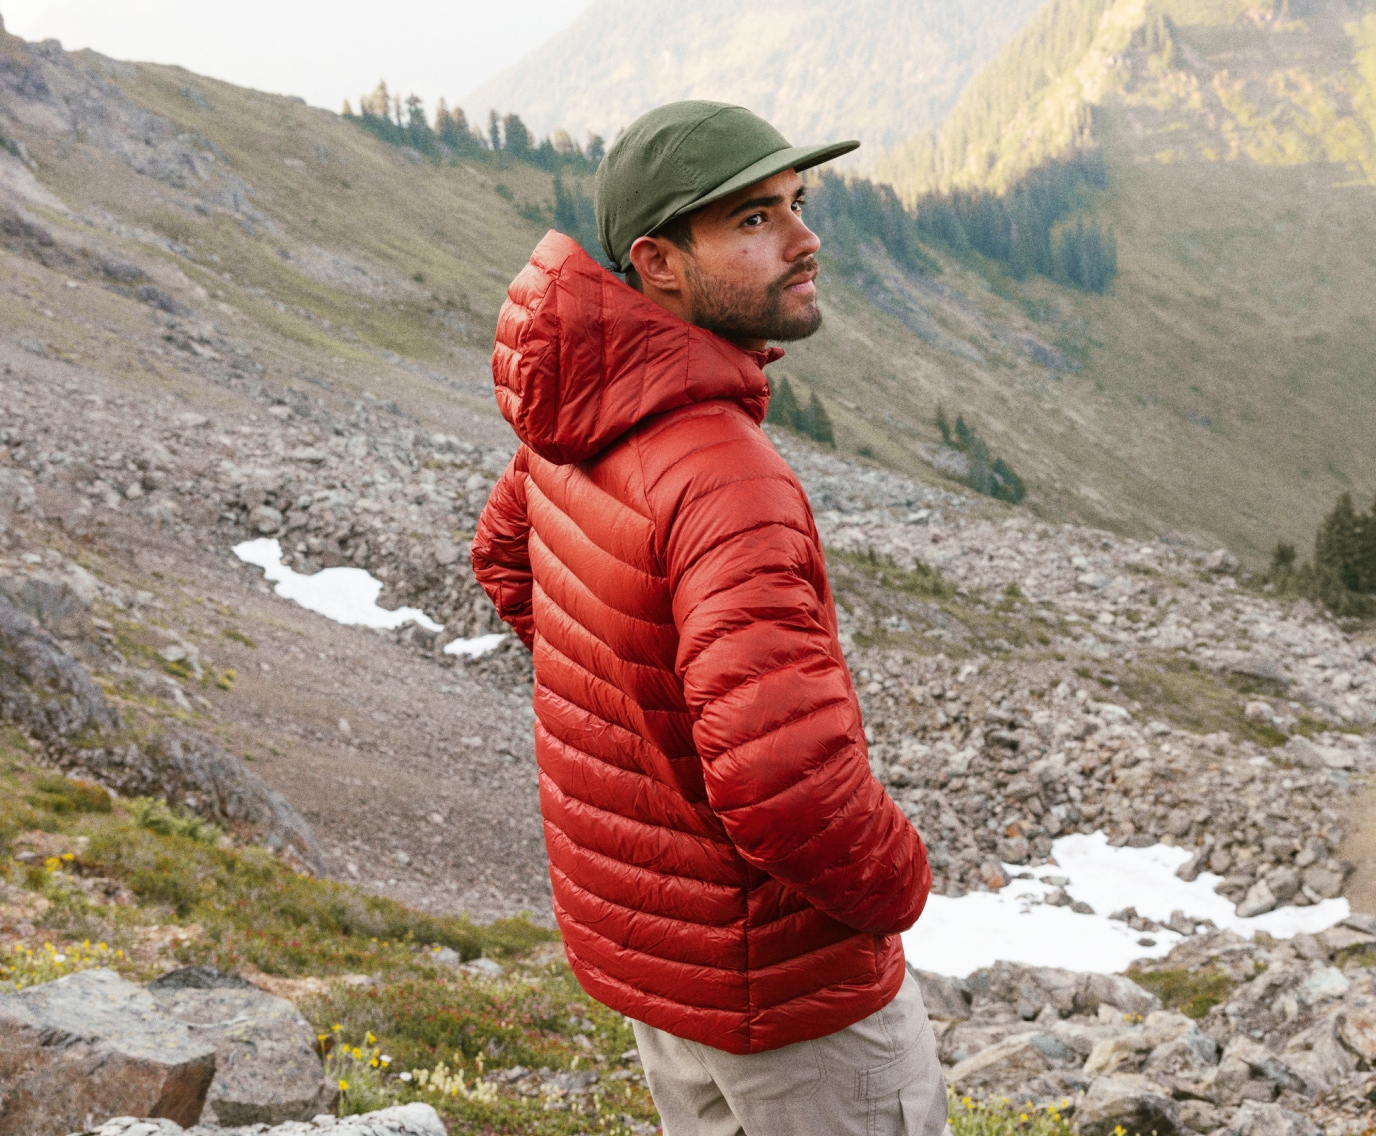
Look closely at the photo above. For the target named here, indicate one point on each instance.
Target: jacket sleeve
(776, 720)
(501, 557)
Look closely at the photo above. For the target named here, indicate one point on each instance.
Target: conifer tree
(516, 135)
(783, 406)
(494, 129)
(597, 149)
(565, 213)
(348, 110)
(815, 423)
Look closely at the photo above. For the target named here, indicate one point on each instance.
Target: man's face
(750, 273)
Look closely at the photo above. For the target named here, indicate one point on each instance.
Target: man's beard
(737, 312)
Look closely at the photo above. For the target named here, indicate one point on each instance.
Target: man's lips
(803, 287)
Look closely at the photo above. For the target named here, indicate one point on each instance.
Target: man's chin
(799, 326)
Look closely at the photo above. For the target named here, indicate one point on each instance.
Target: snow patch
(959, 936)
(345, 595)
(474, 648)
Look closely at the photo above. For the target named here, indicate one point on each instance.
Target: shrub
(812, 420)
(991, 477)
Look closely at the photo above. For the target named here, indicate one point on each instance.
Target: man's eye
(755, 220)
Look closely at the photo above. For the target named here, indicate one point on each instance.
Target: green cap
(682, 156)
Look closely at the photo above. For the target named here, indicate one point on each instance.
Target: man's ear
(659, 263)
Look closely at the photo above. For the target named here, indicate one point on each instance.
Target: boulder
(1253, 1119)
(91, 1046)
(1357, 1028)
(1186, 1055)
(1258, 901)
(947, 999)
(1012, 1061)
(1124, 1053)
(399, 1120)
(43, 689)
(1133, 1103)
(1318, 1057)
(1200, 1116)
(267, 1070)
(1118, 991)
(1261, 1062)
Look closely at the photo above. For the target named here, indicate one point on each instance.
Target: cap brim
(794, 158)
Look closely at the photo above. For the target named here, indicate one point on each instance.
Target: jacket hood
(581, 358)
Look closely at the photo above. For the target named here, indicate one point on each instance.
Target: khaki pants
(879, 1077)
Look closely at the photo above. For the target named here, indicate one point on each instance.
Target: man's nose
(804, 241)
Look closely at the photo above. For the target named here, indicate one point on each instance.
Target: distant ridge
(879, 70)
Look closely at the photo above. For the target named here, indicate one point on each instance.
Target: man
(726, 871)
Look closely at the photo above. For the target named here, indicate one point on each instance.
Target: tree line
(1038, 226)
(1342, 574)
(404, 122)
(1028, 229)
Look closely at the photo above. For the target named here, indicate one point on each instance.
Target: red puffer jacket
(724, 865)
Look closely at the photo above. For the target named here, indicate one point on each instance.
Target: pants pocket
(792, 1073)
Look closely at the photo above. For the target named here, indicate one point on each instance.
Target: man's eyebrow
(757, 203)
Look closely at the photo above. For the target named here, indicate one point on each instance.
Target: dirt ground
(1360, 848)
(419, 779)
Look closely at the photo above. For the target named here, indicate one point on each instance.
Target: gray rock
(1200, 1116)
(53, 603)
(1124, 1053)
(1361, 921)
(1319, 1057)
(1325, 881)
(1284, 882)
(90, 1046)
(1011, 1061)
(1357, 1028)
(267, 1070)
(1119, 991)
(1253, 1119)
(1138, 1105)
(1262, 1063)
(1342, 938)
(265, 519)
(1258, 900)
(41, 687)
(399, 1120)
(946, 999)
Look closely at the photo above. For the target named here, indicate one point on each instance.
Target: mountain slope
(1223, 385)
(879, 70)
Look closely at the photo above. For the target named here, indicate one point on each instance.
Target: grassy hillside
(879, 71)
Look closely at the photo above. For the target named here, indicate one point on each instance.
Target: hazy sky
(326, 51)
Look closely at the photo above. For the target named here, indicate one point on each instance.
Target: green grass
(920, 580)
(1177, 690)
(1193, 992)
(241, 908)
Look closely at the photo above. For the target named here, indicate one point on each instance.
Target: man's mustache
(803, 269)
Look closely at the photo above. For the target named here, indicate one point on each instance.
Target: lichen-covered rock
(267, 1070)
(1128, 1101)
(90, 1046)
